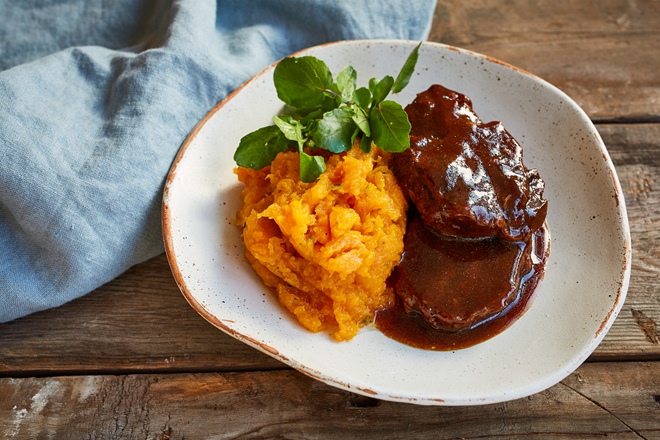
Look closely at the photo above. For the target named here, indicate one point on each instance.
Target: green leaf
(361, 119)
(258, 149)
(406, 71)
(334, 131)
(390, 128)
(380, 89)
(289, 127)
(324, 114)
(346, 80)
(362, 97)
(365, 144)
(311, 167)
(302, 82)
(355, 134)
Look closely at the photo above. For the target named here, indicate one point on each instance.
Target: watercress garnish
(329, 113)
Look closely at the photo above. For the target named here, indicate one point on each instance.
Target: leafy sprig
(329, 113)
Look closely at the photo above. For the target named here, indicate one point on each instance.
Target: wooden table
(133, 360)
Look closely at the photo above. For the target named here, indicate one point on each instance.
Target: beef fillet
(466, 177)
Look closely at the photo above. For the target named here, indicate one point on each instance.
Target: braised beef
(457, 283)
(466, 177)
(476, 243)
(410, 327)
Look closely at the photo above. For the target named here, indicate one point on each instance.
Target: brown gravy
(469, 269)
(476, 243)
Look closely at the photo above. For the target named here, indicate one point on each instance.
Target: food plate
(586, 277)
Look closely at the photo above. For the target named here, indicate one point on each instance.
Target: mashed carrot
(327, 247)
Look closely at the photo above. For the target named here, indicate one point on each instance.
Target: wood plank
(138, 322)
(635, 151)
(617, 400)
(602, 53)
(141, 322)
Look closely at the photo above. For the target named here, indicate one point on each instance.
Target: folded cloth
(97, 97)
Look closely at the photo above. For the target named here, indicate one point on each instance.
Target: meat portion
(468, 246)
(457, 283)
(466, 177)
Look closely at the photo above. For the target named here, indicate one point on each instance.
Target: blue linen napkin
(97, 97)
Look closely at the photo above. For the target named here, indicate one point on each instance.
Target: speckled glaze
(586, 277)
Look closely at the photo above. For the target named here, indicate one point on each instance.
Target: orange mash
(327, 247)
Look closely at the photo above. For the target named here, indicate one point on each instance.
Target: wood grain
(635, 151)
(617, 400)
(140, 322)
(602, 53)
(133, 360)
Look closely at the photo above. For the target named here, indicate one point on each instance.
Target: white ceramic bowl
(586, 277)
